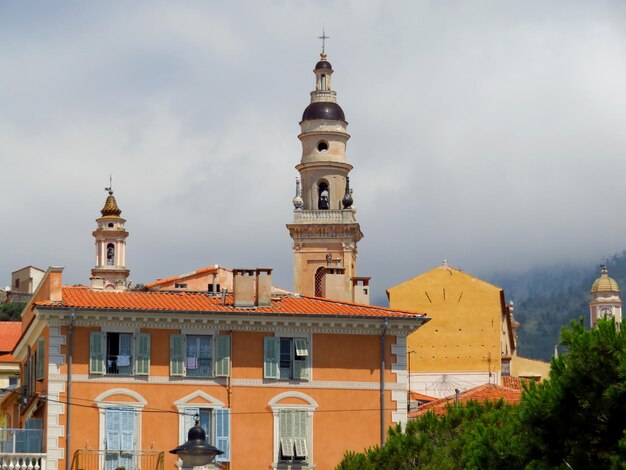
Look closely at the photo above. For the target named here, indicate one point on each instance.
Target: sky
(491, 134)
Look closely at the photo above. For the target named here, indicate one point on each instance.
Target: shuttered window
(216, 423)
(142, 354)
(293, 435)
(192, 355)
(97, 352)
(286, 358)
(40, 358)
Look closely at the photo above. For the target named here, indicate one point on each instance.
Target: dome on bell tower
(604, 283)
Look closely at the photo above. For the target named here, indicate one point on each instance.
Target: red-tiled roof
(515, 383)
(10, 332)
(479, 394)
(422, 397)
(86, 298)
(208, 269)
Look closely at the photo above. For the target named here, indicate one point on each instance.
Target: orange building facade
(281, 384)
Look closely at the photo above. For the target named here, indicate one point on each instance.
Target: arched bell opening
(323, 196)
(110, 254)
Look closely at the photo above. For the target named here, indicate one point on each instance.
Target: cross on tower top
(110, 188)
(323, 37)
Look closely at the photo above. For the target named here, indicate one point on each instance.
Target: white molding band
(221, 381)
(55, 429)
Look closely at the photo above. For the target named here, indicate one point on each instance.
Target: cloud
(490, 134)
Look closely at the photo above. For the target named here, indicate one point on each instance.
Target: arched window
(323, 82)
(319, 281)
(323, 201)
(110, 254)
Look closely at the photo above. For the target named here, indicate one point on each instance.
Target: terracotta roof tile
(422, 397)
(515, 383)
(478, 394)
(208, 269)
(85, 297)
(10, 332)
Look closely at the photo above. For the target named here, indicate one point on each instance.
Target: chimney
(243, 287)
(335, 284)
(56, 283)
(263, 287)
(361, 290)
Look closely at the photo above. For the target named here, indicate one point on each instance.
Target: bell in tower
(325, 232)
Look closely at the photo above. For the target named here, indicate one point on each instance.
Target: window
(40, 357)
(323, 202)
(286, 358)
(319, 280)
(110, 254)
(17, 283)
(120, 439)
(213, 417)
(13, 380)
(192, 355)
(119, 353)
(322, 146)
(180, 286)
(292, 431)
(212, 290)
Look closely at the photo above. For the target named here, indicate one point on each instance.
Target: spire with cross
(323, 37)
(110, 188)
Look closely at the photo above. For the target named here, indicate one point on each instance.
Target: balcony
(88, 459)
(340, 216)
(22, 449)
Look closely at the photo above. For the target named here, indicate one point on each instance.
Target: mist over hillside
(549, 298)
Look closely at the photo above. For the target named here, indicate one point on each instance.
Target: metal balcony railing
(93, 459)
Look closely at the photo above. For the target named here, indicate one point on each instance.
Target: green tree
(474, 436)
(577, 418)
(11, 311)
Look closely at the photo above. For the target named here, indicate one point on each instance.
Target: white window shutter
(127, 430)
(300, 447)
(301, 347)
(271, 354)
(222, 431)
(191, 414)
(222, 353)
(286, 446)
(300, 418)
(177, 355)
(142, 354)
(97, 352)
(300, 370)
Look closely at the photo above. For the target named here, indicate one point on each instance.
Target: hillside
(546, 299)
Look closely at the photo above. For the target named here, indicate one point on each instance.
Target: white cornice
(236, 321)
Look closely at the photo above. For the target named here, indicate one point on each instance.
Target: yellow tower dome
(604, 283)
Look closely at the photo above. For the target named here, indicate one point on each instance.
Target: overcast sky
(488, 133)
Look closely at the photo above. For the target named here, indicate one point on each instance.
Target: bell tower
(605, 301)
(325, 232)
(110, 271)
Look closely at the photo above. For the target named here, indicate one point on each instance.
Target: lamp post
(196, 452)
(408, 402)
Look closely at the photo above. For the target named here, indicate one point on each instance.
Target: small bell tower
(325, 232)
(605, 301)
(110, 272)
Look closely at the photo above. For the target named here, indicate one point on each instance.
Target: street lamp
(196, 452)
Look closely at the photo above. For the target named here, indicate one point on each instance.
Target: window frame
(214, 369)
(134, 349)
(309, 406)
(204, 401)
(308, 361)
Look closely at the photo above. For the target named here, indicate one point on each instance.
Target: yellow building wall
(531, 368)
(465, 331)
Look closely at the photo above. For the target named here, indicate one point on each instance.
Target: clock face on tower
(605, 312)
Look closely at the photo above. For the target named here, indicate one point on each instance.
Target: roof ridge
(354, 304)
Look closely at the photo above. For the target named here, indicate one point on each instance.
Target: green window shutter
(300, 370)
(97, 352)
(177, 355)
(40, 358)
(222, 355)
(271, 354)
(142, 354)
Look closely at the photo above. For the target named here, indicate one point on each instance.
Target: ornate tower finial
(323, 37)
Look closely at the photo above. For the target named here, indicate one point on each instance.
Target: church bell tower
(110, 271)
(325, 232)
